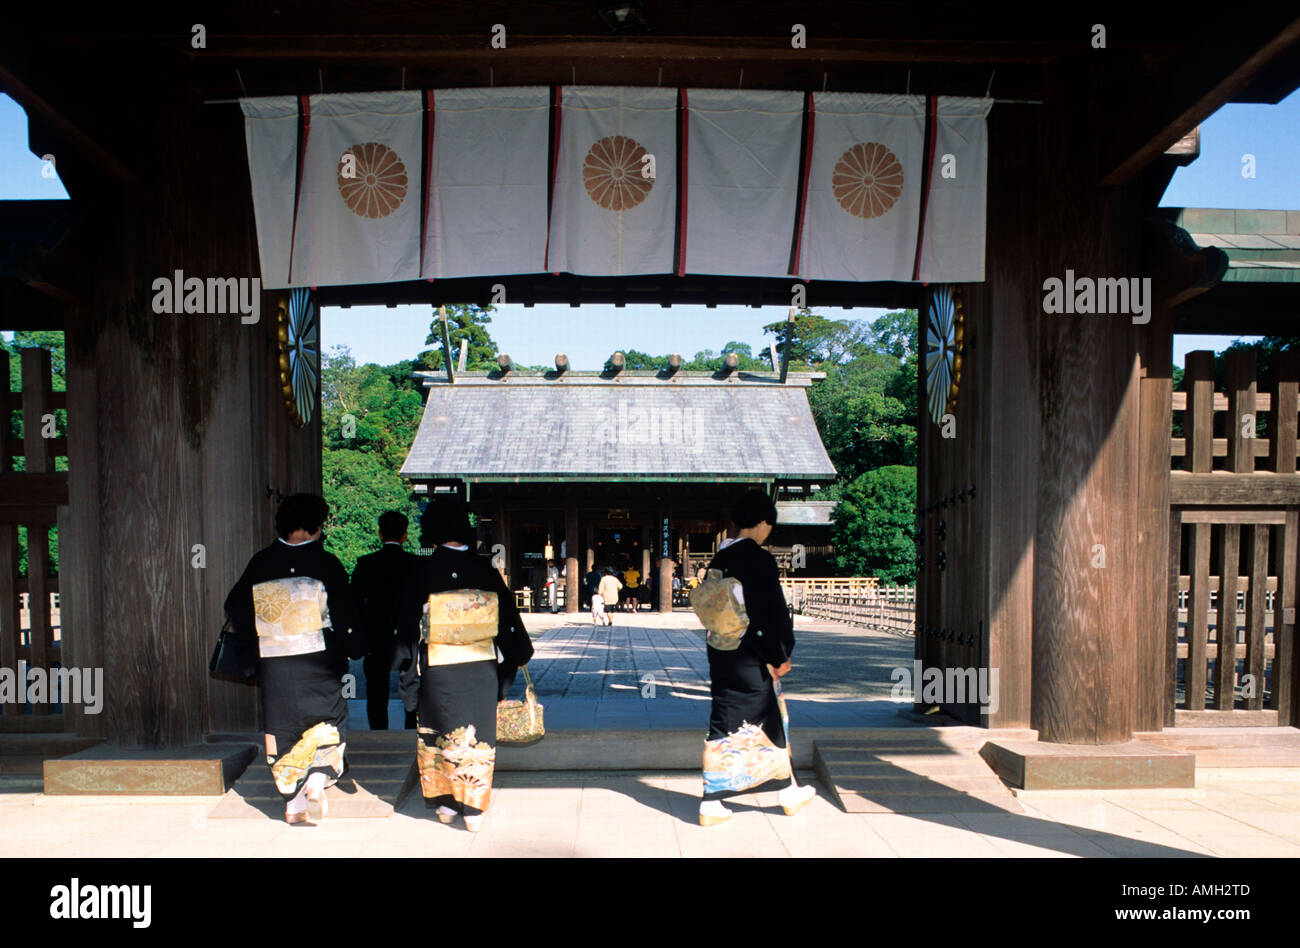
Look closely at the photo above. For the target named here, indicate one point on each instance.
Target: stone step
(1031, 765)
(944, 774)
(1232, 746)
(197, 769)
(381, 773)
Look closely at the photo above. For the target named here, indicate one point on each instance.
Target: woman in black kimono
(745, 751)
(457, 687)
(294, 598)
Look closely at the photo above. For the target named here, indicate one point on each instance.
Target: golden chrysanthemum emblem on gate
(379, 184)
(867, 180)
(612, 173)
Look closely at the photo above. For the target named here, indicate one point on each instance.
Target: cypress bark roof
(632, 427)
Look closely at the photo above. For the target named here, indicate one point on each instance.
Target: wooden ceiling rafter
(1195, 90)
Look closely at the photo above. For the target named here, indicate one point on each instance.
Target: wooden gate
(1234, 522)
(29, 626)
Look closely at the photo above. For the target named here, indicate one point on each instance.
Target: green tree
(896, 334)
(362, 409)
(464, 321)
(816, 340)
(872, 525)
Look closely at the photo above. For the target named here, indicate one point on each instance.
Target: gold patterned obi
(459, 626)
(291, 615)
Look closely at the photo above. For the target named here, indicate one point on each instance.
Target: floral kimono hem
(319, 750)
(457, 765)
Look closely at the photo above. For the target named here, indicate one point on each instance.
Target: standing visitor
(294, 598)
(460, 659)
(591, 583)
(608, 592)
(552, 582)
(746, 749)
(377, 581)
(632, 580)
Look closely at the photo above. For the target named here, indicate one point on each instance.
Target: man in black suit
(377, 583)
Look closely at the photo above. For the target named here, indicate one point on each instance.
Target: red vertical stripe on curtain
(304, 126)
(931, 133)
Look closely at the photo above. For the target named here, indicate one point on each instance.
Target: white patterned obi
(292, 615)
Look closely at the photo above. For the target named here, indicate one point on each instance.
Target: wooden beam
(38, 108)
(1210, 80)
(33, 490)
(579, 49)
(1260, 489)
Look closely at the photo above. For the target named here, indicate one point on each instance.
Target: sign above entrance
(361, 188)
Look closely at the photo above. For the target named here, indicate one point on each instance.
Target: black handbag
(234, 658)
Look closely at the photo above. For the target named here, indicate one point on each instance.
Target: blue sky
(589, 334)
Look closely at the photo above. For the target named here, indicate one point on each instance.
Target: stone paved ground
(650, 670)
(1231, 813)
(590, 677)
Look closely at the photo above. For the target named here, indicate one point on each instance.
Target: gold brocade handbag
(719, 604)
(520, 722)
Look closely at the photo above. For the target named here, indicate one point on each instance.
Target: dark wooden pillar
(645, 554)
(571, 578)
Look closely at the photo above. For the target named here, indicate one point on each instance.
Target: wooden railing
(795, 587)
(29, 499)
(882, 609)
(1235, 526)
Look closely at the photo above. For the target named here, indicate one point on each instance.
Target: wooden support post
(1282, 423)
(1170, 679)
(38, 601)
(1154, 591)
(1284, 657)
(1198, 420)
(1242, 419)
(1198, 622)
(1257, 543)
(9, 606)
(1225, 664)
(37, 389)
(571, 577)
